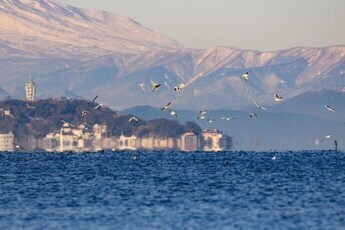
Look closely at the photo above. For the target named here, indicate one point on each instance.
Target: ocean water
(173, 190)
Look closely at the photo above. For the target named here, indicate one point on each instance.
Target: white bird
(98, 106)
(18, 147)
(84, 113)
(258, 105)
(277, 97)
(166, 106)
(227, 118)
(173, 113)
(210, 120)
(274, 157)
(67, 123)
(202, 114)
(167, 85)
(133, 119)
(68, 98)
(326, 137)
(142, 87)
(329, 108)
(30, 107)
(253, 114)
(179, 87)
(245, 76)
(155, 86)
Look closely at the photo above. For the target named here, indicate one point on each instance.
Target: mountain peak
(48, 28)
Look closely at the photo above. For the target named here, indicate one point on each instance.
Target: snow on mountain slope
(68, 49)
(48, 28)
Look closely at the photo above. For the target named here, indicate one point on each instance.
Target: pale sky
(265, 25)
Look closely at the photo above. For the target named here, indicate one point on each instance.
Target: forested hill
(41, 117)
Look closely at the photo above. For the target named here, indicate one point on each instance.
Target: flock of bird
(203, 113)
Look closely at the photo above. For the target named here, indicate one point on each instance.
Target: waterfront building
(189, 142)
(127, 143)
(6, 142)
(214, 140)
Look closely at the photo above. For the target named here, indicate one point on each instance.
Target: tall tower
(30, 88)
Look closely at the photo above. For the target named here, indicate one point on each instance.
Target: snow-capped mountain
(45, 28)
(72, 51)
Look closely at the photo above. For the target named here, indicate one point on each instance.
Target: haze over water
(170, 190)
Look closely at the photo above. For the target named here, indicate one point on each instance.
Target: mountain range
(81, 53)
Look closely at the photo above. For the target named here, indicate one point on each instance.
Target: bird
(84, 113)
(142, 87)
(67, 123)
(253, 114)
(166, 106)
(179, 87)
(227, 118)
(202, 114)
(17, 146)
(329, 108)
(155, 86)
(173, 113)
(258, 105)
(326, 137)
(210, 120)
(97, 106)
(277, 97)
(134, 158)
(68, 98)
(245, 76)
(274, 157)
(30, 107)
(94, 99)
(167, 85)
(133, 119)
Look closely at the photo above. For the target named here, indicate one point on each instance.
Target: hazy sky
(247, 24)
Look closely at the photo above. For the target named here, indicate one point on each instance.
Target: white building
(6, 142)
(30, 90)
(189, 142)
(214, 140)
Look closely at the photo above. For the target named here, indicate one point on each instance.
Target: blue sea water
(173, 190)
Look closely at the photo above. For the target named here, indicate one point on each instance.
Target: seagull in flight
(245, 76)
(17, 146)
(155, 86)
(84, 113)
(277, 97)
(180, 87)
(30, 107)
(97, 106)
(94, 99)
(173, 113)
(329, 108)
(68, 98)
(134, 119)
(325, 138)
(202, 114)
(142, 87)
(67, 123)
(258, 105)
(210, 120)
(253, 115)
(166, 106)
(227, 118)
